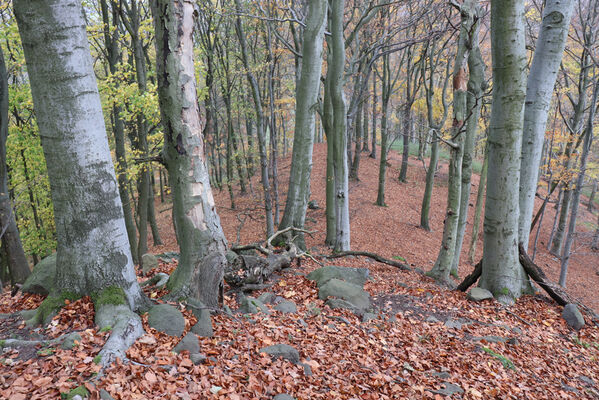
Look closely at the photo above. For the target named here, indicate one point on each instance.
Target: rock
(313, 205)
(190, 343)
(307, 369)
(367, 317)
(432, 319)
(286, 306)
(302, 322)
(342, 319)
(282, 350)
(449, 389)
(341, 304)
(250, 305)
(479, 294)
(357, 276)
(203, 327)
(166, 319)
(453, 324)
(490, 339)
(346, 291)
(148, 263)
(442, 374)
(68, 341)
(197, 358)
(41, 280)
(267, 297)
(573, 316)
(104, 395)
(283, 396)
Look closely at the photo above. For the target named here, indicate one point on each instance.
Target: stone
(267, 297)
(250, 305)
(367, 317)
(453, 324)
(573, 316)
(286, 307)
(432, 319)
(442, 374)
(41, 280)
(68, 341)
(342, 320)
(449, 389)
(490, 339)
(341, 304)
(479, 294)
(104, 395)
(282, 350)
(190, 343)
(203, 327)
(307, 369)
(197, 358)
(357, 276)
(347, 291)
(148, 263)
(283, 396)
(166, 319)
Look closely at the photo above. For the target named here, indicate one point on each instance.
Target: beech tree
(93, 255)
(200, 236)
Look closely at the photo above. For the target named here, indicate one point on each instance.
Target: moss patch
(112, 295)
(80, 390)
(50, 306)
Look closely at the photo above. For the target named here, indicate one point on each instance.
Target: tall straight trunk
(557, 207)
(478, 208)
(152, 213)
(374, 98)
(336, 66)
(468, 27)
(502, 273)
(260, 128)
(202, 242)
(385, 96)
(229, 152)
(298, 192)
(93, 249)
(11, 241)
(592, 196)
(586, 148)
(358, 147)
(118, 128)
(476, 82)
(547, 57)
(430, 181)
(327, 123)
(406, 129)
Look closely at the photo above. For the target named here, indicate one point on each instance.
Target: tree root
(374, 256)
(159, 280)
(12, 343)
(126, 328)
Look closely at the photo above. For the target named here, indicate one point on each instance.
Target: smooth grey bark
(11, 241)
(478, 208)
(307, 91)
(474, 100)
(339, 132)
(502, 273)
(385, 96)
(260, 128)
(374, 101)
(111, 36)
(586, 148)
(592, 196)
(201, 239)
(549, 49)
(468, 27)
(93, 249)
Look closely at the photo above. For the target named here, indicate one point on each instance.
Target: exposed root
(126, 328)
(159, 280)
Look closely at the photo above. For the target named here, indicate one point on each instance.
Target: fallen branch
(472, 278)
(374, 256)
(555, 292)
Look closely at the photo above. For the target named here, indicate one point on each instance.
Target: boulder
(190, 343)
(203, 327)
(104, 395)
(479, 294)
(357, 276)
(68, 341)
(282, 350)
(267, 297)
(250, 305)
(341, 304)
(166, 319)
(283, 396)
(349, 292)
(286, 306)
(148, 263)
(41, 280)
(573, 316)
(197, 358)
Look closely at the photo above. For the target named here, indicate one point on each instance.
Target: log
(472, 278)
(374, 256)
(554, 291)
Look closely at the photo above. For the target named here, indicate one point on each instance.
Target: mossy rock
(349, 292)
(78, 391)
(357, 276)
(166, 319)
(190, 343)
(41, 280)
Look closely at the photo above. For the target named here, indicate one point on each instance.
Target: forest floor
(427, 342)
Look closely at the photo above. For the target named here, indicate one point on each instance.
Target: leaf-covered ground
(425, 341)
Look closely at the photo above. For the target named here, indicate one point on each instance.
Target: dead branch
(472, 278)
(374, 256)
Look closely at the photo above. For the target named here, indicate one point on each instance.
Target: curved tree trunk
(93, 249)
(201, 239)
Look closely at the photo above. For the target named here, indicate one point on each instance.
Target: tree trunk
(336, 67)
(11, 241)
(374, 98)
(93, 249)
(541, 80)
(202, 242)
(592, 196)
(478, 210)
(307, 91)
(385, 96)
(358, 148)
(405, 154)
(502, 273)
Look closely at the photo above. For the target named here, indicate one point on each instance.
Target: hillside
(424, 341)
